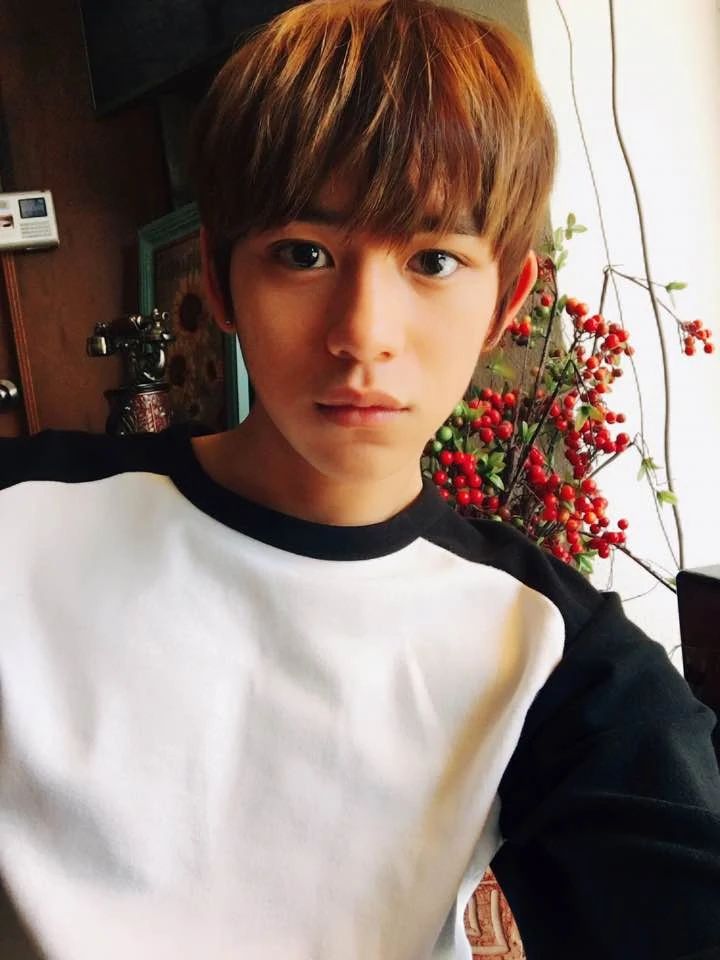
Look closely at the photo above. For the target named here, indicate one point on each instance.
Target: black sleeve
(77, 456)
(610, 806)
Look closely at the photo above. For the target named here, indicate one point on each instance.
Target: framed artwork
(206, 372)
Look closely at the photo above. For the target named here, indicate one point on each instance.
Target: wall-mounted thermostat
(27, 220)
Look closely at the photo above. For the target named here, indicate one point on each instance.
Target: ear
(211, 284)
(525, 282)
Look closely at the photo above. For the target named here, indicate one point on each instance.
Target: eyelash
(287, 244)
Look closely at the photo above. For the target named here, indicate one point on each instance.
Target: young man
(264, 694)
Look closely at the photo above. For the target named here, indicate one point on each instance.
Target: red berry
(504, 430)
(709, 348)
(623, 524)
(509, 399)
(524, 329)
(463, 497)
(486, 434)
(536, 456)
(440, 478)
(444, 492)
(476, 497)
(492, 503)
(588, 485)
(446, 458)
(536, 475)
(567, 492)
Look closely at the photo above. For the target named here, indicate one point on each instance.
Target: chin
(363, 464)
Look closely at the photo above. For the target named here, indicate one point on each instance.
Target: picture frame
(207, 374)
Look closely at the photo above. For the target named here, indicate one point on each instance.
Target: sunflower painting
(207, 377)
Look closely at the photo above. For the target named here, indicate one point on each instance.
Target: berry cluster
(526, 455)
(475, 457)
(695, 331)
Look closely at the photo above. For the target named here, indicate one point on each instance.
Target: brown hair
(433, 108)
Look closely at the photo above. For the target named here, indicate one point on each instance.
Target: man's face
(317, 310)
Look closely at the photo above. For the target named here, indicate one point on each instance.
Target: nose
(367, 315)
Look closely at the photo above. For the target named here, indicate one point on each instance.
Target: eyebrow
(335, 218)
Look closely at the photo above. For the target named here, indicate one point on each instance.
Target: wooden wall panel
(107, 176)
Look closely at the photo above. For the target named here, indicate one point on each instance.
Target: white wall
(668, 102)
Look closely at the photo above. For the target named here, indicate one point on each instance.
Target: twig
(653, 299)
(645, 566)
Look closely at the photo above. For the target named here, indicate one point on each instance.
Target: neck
(255, 461)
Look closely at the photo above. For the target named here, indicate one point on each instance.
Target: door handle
(9, 396)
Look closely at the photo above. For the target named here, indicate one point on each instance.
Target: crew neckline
(293, 534)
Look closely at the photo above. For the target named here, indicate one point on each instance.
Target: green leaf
(584, 564)
(503, 369)
(596, 414)
(562, 259)
(579, 229)
(646, 465)
(666, 496)
(675, 285)
(496, 481)
(561, 303)
(483, 459)
(558, 238)
(571, 219)
(497, 460)
(582, 415)
(457, 443)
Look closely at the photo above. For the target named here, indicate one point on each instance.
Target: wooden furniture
(699, 607)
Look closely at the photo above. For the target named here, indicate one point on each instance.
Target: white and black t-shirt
(227, 733)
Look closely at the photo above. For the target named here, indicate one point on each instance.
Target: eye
(303, 255)
(431, 259)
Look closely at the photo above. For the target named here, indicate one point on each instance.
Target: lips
(346, 397)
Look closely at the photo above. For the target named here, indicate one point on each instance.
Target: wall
(668, 100)
(107, 177)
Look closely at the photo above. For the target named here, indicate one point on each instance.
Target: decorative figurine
(141, 405)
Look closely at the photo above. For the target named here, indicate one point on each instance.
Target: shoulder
(514, 555)
(77, 456)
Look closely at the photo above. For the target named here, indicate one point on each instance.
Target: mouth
(347, 415)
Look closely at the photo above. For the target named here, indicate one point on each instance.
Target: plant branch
(653, 299)
(645, 567)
